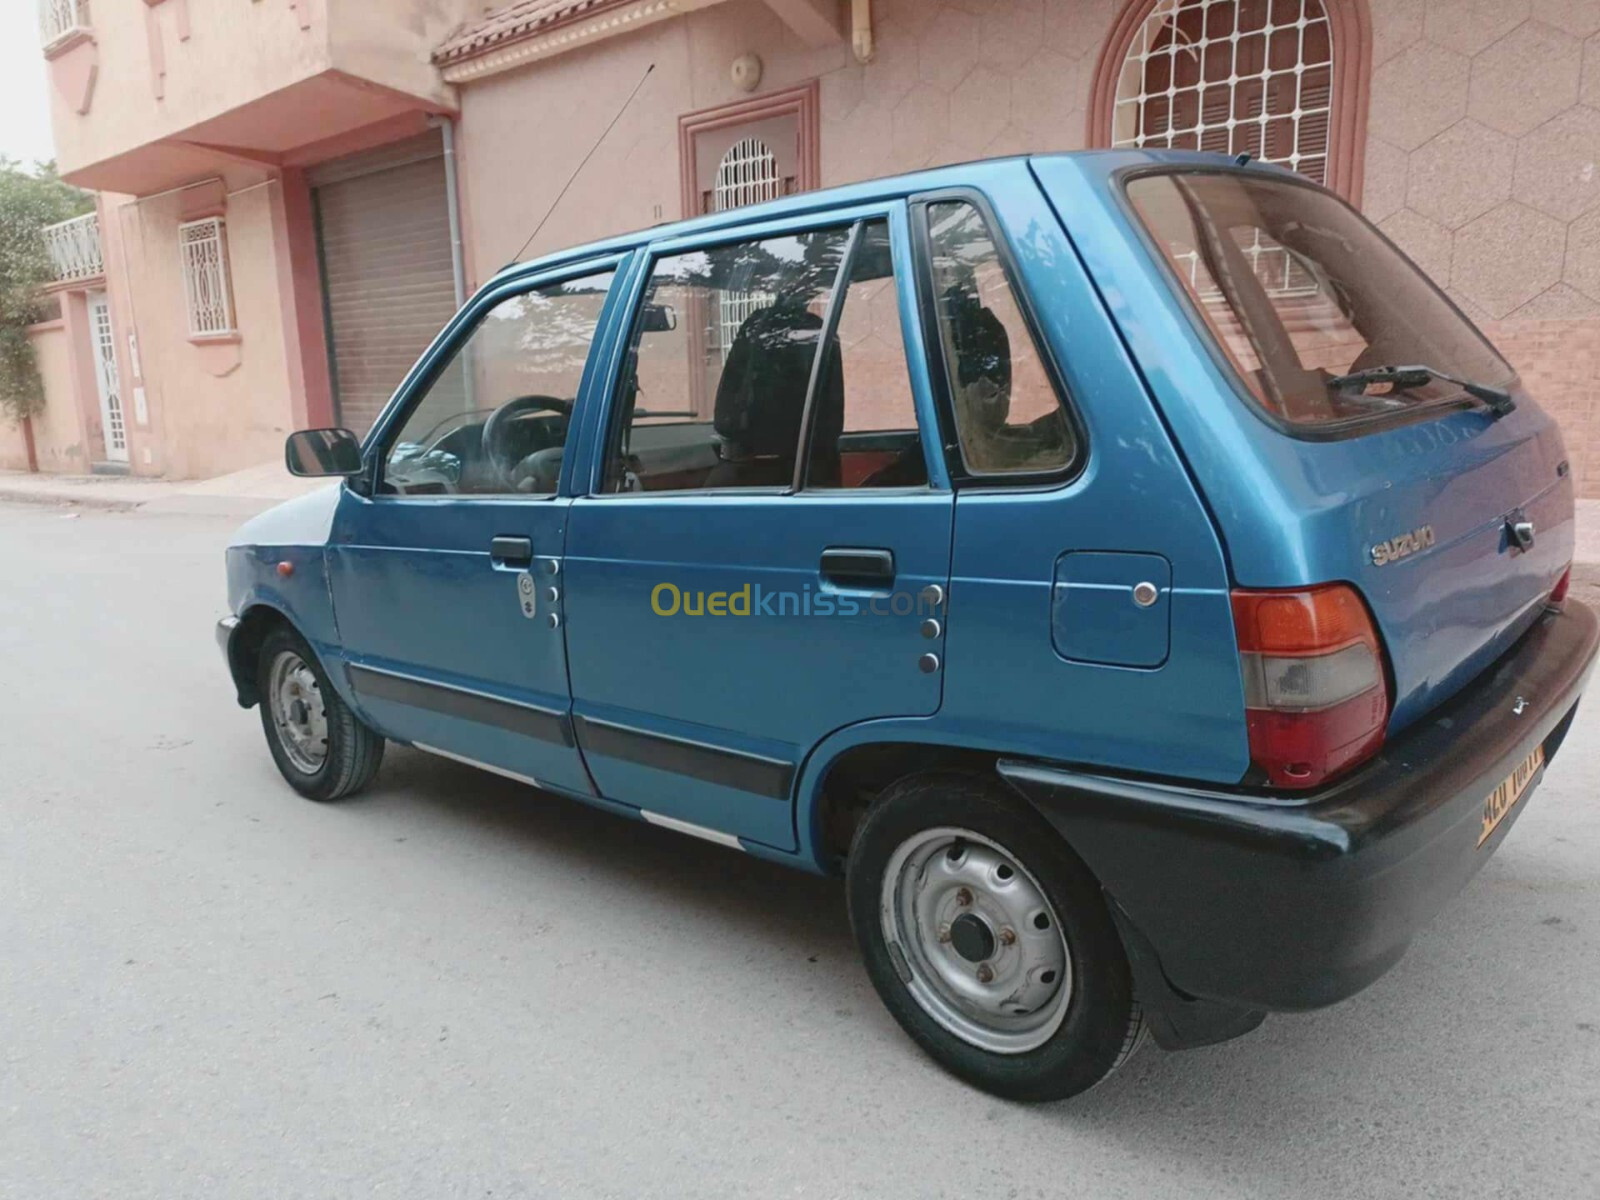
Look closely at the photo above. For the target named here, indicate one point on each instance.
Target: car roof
(1096, 164)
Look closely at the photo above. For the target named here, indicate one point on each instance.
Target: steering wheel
(502, 457)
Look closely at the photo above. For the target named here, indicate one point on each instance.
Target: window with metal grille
(59, 19)
(206, 285)
(1233, 76)
(747, 174)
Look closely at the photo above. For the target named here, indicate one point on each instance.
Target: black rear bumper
(1242, 903)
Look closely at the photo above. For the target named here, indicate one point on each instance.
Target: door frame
(802, 102)
(529, 711)
(107, 377)
(748, 762)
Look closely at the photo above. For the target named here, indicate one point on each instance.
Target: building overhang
(531, 31)
(284, 128)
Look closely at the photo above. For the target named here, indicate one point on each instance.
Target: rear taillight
(1559, 596)
(1316, 696)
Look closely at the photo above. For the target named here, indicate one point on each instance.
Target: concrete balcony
(152, 94)
(75, 250)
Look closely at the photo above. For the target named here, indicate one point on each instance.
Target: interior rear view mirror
(659, 318)
(318, 452)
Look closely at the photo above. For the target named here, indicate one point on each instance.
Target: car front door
(762, 552)
(446, 575)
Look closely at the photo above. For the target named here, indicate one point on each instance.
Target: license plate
(1504, 798)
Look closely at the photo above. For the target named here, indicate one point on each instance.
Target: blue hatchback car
(1127, 569)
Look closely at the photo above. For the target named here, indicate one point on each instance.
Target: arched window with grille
(747, 174)
(1284, 81)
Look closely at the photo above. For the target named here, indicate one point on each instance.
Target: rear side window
(864, 430)
(1009, 417)
(1301, 293)
(715, 387)
(728, 350)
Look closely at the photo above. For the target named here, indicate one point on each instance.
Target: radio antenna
(571, 179)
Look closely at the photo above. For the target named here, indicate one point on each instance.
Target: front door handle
(851, 566)
(511, 552)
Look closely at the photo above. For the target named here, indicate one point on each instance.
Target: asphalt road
(455, 986)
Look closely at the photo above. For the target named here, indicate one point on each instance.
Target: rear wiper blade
(1499, 402)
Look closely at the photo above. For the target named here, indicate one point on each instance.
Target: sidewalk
(242, 494)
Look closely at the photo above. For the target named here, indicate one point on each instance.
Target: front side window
(714, 390)
(1302, 295)
(495, 420)
(1009, 417)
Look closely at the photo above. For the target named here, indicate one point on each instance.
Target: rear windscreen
(1300, 292)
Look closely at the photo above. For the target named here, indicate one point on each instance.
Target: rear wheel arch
(854, 777)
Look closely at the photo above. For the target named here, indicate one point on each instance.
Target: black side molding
(545, 724)
(712, 764)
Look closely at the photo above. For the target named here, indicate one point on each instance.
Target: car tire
(943, 870)
(321, 747)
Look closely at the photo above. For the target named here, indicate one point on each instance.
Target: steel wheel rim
(950, 894)
(299, 714)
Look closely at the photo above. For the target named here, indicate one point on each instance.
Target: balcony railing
(74, 248)
(60, 19)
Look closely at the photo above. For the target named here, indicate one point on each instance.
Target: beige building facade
(362, 164)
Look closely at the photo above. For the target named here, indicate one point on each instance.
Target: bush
(29, 200)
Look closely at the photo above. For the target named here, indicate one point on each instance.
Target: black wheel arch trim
(240, 637)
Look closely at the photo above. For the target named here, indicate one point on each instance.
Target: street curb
(55, 500)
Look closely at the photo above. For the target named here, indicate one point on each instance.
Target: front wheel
(988, 941)
(321, 747)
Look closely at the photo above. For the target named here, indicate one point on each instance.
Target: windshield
(1301, 292)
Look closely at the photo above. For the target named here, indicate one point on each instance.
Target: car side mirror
(313, 453)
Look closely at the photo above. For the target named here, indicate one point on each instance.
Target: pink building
(295, 193)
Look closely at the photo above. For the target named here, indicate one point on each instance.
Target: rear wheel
(321, 747)
(988, 940)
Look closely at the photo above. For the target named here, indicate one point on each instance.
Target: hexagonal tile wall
(1482, 156)
(959, 79)
(1487, 111)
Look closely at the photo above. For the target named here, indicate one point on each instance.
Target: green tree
(29, 200)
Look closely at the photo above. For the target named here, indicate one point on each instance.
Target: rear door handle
(858, 567)
(511, 551)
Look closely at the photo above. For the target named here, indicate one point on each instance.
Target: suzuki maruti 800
(1126, 569)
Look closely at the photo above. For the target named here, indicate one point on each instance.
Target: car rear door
(762, 552)
(445, 577)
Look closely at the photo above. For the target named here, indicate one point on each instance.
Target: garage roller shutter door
(387, 278)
